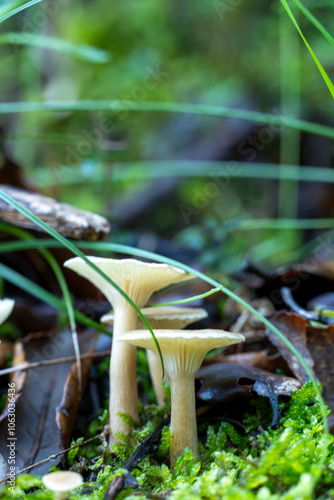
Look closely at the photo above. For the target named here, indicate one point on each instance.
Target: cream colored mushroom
(183, 353)
(163, 317)
(6, 307)
(62, 482)
(138, 280)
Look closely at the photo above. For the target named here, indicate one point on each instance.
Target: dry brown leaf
(316, 345)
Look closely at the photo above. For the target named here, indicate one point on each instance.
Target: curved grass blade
(44, 296)
(153, 256)
(36, 220)
(79, 51)
(124, 249)
(316, 60)
(18, 9)
(314, 21)
(168, 107)
(189, 299)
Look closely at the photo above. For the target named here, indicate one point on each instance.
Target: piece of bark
(66, 219)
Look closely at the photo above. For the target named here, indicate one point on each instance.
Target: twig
(52, 457)
(148, 446)
(48, 362)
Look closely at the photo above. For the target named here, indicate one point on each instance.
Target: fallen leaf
(257, 359)
(38, 436)
(224, 382)
(316, 345)
(67, 410)
(293, 328)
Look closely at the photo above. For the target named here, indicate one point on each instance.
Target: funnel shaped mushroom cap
(62, 481)
(166, 316)
(137, 279)
(6, 307)
(183, 351)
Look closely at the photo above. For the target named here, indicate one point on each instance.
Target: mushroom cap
(136, 278)
(62, 480)
(6, 307)
(182, 350)
(166, 316)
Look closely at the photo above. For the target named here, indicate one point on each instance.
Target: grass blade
(36, 220)
(158, 258)
(314, 21)
(168, 107)
(18, 9)
(188, 169)
(316, 60)
(79, 51)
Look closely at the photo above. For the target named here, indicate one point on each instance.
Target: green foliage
(73, 453)
(275, 464)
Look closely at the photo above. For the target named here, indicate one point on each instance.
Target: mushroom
(162, 317)
(183, 353)
(138, 280)
(62, 482)
(6, 307)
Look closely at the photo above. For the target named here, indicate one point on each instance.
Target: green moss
(258, 464)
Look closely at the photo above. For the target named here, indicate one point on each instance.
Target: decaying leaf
(305, 283)
(316, 345)
(66, 219)
(67, 410)
(38, 436)
(224, 382)
(294, 329)
(258, 359)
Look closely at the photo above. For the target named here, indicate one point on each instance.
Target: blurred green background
(126, 165)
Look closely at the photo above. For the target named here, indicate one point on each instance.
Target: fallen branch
(37, 364)
(52, 457)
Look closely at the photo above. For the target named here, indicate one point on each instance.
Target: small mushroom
(138, 280)
(6, 307)
(163, 317)
(62, 482)
(183, 353)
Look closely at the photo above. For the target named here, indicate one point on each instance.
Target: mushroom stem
(183, 427)
(123, 376)
(60, 495)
